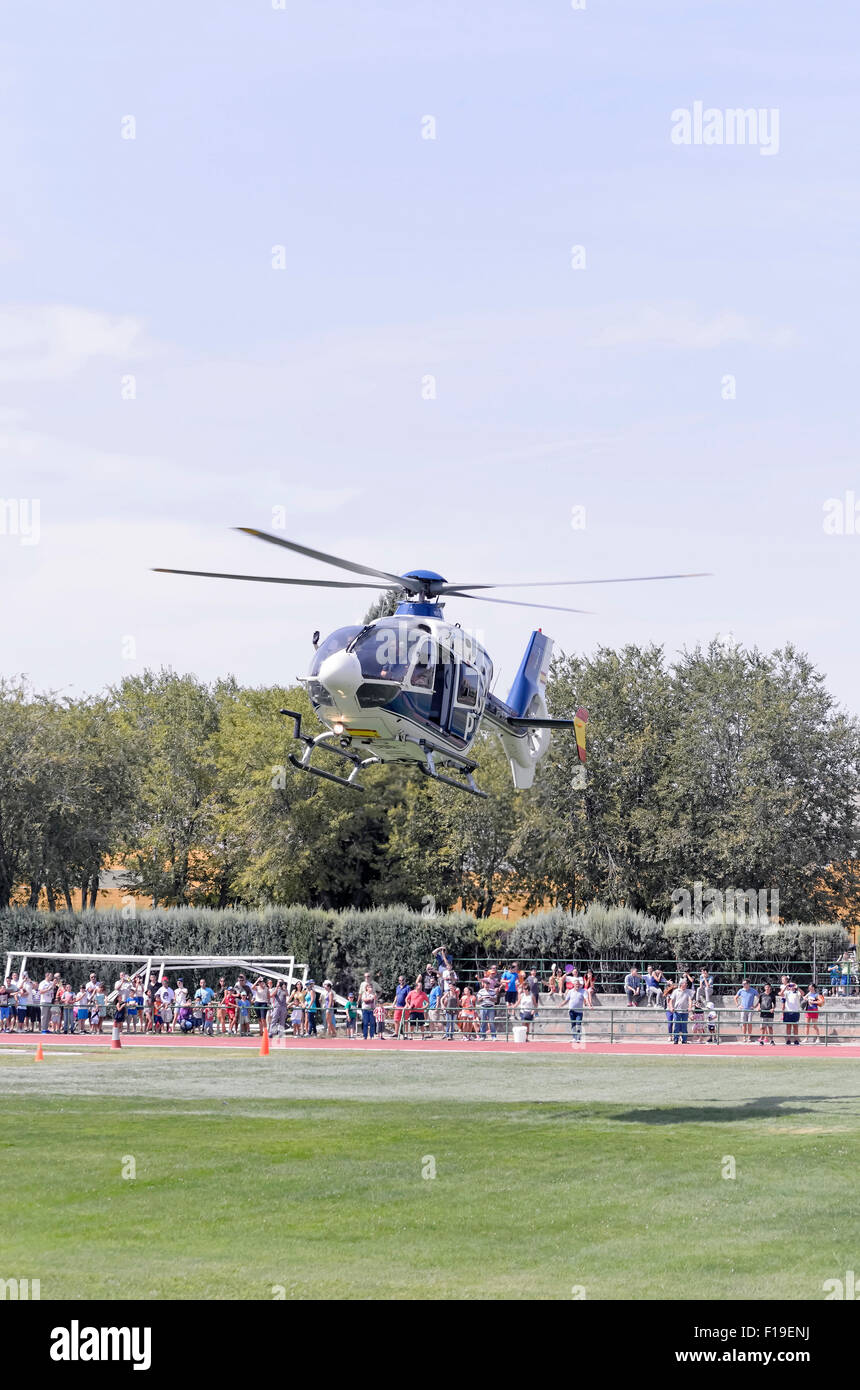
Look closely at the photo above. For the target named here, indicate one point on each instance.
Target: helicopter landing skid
(303, 764)
(464, 784)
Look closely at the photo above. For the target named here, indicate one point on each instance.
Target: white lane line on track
(521, 1051)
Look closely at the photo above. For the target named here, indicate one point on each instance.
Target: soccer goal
(285, 968)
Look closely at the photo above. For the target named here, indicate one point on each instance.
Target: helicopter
(415, 688)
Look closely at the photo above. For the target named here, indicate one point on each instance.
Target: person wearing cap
(791, 998)
(329, 1004)
(311, 1009)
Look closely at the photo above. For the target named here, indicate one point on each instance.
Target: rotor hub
(427, 583)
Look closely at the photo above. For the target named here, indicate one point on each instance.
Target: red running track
(57, 1041)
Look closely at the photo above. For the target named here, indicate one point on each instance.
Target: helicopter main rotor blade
(273, 579)
(514, 603)
(556, 583)
(321, 555)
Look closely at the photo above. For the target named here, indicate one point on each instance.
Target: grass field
(304, 1172)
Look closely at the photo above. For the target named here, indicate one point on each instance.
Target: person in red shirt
(416, 1003)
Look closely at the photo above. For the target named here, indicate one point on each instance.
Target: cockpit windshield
(335, 642)
(385, 650)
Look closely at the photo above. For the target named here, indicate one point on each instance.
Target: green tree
(762, 782)
(171, 721)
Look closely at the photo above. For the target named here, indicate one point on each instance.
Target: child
(468, 1016)
(811, 1005)
(712, 1026)
(157, 1020)
(209, 1020)
(379, 1016)
(351, 1014)
(148, 1011)
(296, 1013)
(230, 1009)
(697, 1013)
(245, 1014)
(82, 1010)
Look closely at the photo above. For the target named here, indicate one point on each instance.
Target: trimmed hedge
(391, 941)
(336, 945)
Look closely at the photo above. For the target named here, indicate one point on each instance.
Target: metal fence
(617, 1023)
(610, 973)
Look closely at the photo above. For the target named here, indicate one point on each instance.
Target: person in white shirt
(46, 999)
(166, 995)
(575, 1003)
(261, 1002)
(33, 1007)
(679, 1002)
(791, 997)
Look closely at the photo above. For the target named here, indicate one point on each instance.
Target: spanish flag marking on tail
(580, 719)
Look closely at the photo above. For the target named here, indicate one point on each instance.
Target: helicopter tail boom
(523, 723)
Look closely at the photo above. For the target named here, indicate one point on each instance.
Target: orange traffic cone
(264, 1045)
(40, 1056)
(114, 1037)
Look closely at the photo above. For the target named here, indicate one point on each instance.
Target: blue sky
(301, 388)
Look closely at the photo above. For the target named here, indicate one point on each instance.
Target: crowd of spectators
(56, 1006)
(436, 1001)
(689, 1006)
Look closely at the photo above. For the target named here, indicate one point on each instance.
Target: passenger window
(467, 687)
(425, 665)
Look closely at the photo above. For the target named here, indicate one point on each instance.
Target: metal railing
(610, 1023)
(610, 973)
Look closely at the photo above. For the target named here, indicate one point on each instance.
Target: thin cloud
(50, 342)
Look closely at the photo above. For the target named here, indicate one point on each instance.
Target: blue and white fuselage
(415, 688)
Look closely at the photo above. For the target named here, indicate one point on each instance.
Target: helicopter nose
(340, 673)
